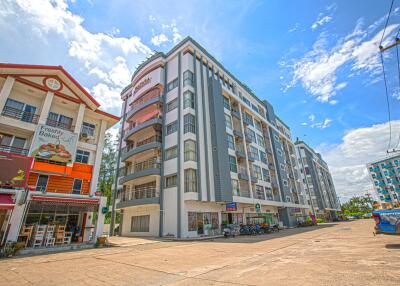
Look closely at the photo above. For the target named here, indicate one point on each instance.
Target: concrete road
(335, 254)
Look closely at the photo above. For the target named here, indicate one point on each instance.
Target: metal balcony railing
(13, 150)
(139, 193)
(59, 124)
(155, 138)
(258, 194)
(20, 114)
(153, 163)
(137, 124)
(150, 95)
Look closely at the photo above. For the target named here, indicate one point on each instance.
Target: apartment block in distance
(385, 176)
(318, 182)
(51, 141)
(200, 150)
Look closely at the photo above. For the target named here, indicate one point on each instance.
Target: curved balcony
(140, 195)
(147, 144)
(143, 103)
(142, 169)
(138, 127)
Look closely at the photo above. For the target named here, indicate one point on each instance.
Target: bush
(320, 220)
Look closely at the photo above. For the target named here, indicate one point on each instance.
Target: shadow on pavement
(392, 246)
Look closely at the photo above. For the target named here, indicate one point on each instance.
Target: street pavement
(345, 253)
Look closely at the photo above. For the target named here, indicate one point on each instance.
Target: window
(170, 181)
(276, 137)
(251, 135)
(88, 129)
(263, 157)
(283, 167)
(226, 103)
(172, 104)
(190, 150)
(171, 153)
(189, 123)
(172, 127)
(58, 120)
(268, 193)
(82, 156)
(188, 99)
(172, 84)
(266, 176)
(257, 172)
(188, 78)
(19, 110)
(77, 186)
(257, 124)
(228, 121)
(229, 139)
(246, 101)
(140, 223)
(41, 184)
(253, 152)
(192, 221)
(255, 108)
(232, 164)
(190, 180)
(288, 199)
(248, 119)
(235, 187)
(260, 141)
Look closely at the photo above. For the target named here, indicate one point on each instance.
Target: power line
(398, 72)
(387, 102)
(387, 21)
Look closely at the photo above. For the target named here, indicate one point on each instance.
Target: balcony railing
(14, 150)
(145, 165)
(20, 114)
(152, 94)
(258, 194)
(139, 193)
(155, 138)
(59, 124)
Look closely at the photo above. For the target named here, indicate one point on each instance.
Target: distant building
(200, 150)
(318, 181)
(51, 142)
(385, 176)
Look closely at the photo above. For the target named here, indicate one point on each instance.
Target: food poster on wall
(14, 170)
(54, 144)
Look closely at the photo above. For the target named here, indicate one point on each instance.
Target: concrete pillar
(16, 219)
(44, 113)
(99, 150)
(5, 91)
(100, 218)
(79, 118)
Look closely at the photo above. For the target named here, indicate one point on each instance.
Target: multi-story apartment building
(51, 136)
(318, 182)
(200, 150)
(385, 176)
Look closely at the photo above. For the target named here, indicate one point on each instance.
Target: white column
(16, 218)
(100, 218)
(44, 113)
(79, 118)
(5, 91)
(97, 161)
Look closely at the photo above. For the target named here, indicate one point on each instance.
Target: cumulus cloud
(165, 33)
(317, 71)
(347, 160)
(313, 123)
(157, 40)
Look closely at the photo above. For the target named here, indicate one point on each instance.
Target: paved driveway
(336, 254)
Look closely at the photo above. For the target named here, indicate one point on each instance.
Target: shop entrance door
(200, 223)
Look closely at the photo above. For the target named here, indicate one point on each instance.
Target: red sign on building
(14, 170)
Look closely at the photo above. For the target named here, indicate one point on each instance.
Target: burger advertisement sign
(54, 144)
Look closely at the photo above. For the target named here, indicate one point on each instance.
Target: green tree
(358, 206)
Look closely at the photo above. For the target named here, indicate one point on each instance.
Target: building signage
(142, 84)
(231, 207)
(54, 144)
(14, 170)
(258, 207)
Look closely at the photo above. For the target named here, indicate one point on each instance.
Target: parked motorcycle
(228, 231)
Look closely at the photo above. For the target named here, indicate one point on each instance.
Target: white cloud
(347, 160)
(317, 124)
(107, 96)
(318, 70)
(321, 21)
(157, 40)
(294, 28)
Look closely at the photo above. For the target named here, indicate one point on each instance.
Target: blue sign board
(231, 207)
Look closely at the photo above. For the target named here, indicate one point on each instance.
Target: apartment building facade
(318, 182)
(51, 141)
(385, 176)
(200, 150)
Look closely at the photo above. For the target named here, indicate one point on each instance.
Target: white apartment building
(200, 150)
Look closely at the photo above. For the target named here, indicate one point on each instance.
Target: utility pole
(396, 42)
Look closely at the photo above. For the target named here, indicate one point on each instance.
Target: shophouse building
(200, 150)
(318, 182)
(51, 141)
(385, 176)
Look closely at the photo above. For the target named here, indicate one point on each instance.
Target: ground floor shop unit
(201, 219)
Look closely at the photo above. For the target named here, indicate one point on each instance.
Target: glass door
(29, 113)
(200, 223)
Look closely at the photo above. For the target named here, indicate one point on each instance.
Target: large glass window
(235, 187)
(253, 152)
(228, 121)
(268, 193)
(171, 153)
(188, 99)
(229, 139)
(77, 186)
(172, 84)
(257, 172)
(263, 157)
(266, 176)
(248, 119)
(88, 129)
(172, 127)
(189, 123)
(172, 104)
(190, 180)
(226, 103)
(232, 164)
(188, 78)
(82, 156)
(140, 223)
(170, 181)
(190, 150)
(192, 221)
(251, 135)
(258, 126)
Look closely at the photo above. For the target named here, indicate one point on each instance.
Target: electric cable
(398, 72)
(387, 21)
(387, 102)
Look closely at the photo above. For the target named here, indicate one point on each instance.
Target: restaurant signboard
(14, 170)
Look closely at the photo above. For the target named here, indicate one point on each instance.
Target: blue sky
(317, 62)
